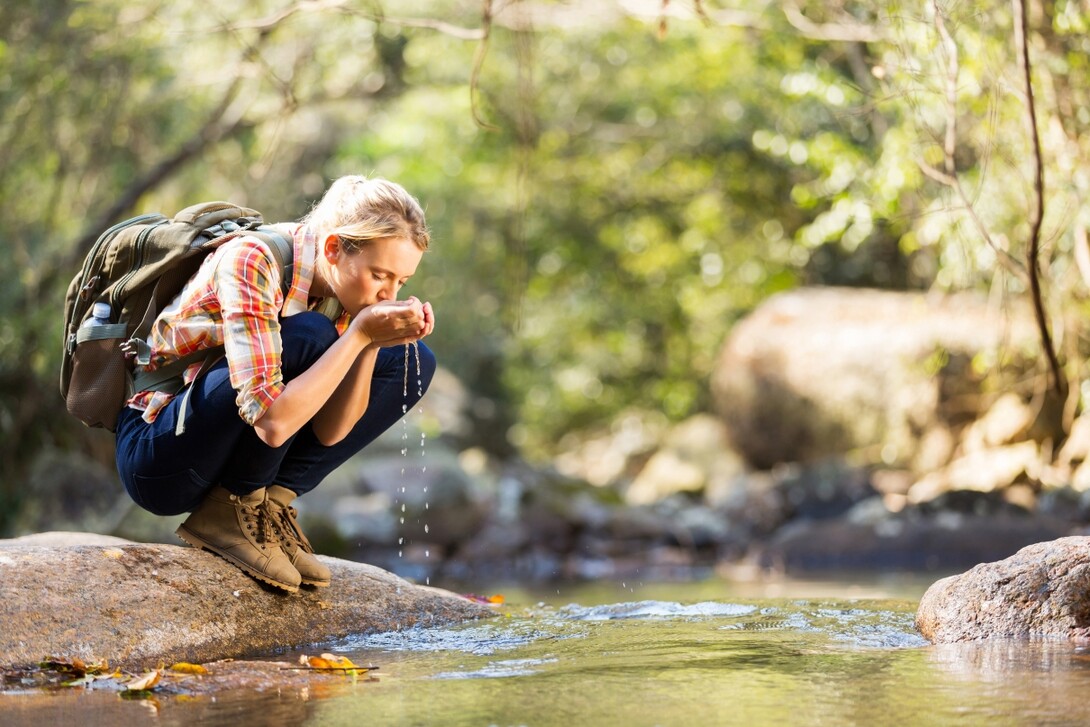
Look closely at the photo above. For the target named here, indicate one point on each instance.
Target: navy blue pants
(168, 474)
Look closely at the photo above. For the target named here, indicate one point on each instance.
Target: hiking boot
(239, 528)
(292, 541)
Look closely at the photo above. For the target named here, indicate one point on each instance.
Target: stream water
(714, 652)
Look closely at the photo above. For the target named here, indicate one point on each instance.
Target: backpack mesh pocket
(100, 376)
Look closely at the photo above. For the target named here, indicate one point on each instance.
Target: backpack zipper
(108, 235)
(88, 263)
(138, 260)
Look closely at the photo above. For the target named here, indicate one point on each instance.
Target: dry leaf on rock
(147, 681)
(183, 667)
(493, 600)
(75, 666)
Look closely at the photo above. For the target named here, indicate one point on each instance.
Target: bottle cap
(101, 309)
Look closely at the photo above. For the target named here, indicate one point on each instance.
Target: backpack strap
(283, 251)
(169, 376)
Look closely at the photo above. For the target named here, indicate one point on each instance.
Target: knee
(305, 337)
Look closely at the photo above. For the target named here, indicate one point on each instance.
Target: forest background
(611, 185)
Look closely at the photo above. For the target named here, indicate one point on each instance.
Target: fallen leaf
(187, 668)
(493, 600)
(332, 662)
(90, 679)
(146, 681)
(75, 666)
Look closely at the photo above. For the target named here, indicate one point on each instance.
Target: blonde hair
(359, 210)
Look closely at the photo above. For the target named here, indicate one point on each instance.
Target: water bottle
(100, 315)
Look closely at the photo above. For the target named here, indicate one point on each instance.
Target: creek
(632, 654)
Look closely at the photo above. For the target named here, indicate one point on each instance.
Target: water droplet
(403, 507)
(427, 581)
(427, 553)
(401, 540)
(426, 529)
(402, 520)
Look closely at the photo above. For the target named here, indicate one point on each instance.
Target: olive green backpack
(138, 266)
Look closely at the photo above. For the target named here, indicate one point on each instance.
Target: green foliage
(636, 195)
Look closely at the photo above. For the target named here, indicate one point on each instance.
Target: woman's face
(374, 274)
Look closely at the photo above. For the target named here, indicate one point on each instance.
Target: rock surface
(142, 605)
(1042, 591)
(819, 371)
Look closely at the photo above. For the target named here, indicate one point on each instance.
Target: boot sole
(316, 584)
(200, 544)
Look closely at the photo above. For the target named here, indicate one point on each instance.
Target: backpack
(138, 266)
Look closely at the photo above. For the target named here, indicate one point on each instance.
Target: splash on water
(654, 609)
(499, 669)
(483, 640)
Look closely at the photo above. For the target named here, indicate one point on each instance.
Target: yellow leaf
(340, 661)
(496, 599)
(331, 662)
(187, 668)
(147, 681)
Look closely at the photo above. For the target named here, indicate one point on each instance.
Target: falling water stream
(405, 447)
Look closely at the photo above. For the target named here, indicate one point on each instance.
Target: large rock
(817, 372)
(940, 543)
(143, 605)
(1042, 590)
(693, 457)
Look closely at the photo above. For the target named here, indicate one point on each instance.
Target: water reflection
(1047, 680)
(744, 661)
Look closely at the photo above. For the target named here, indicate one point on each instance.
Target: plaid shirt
(234, 300)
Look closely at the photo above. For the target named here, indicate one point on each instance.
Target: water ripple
(478, 640)
(499, 669)
(654, 610)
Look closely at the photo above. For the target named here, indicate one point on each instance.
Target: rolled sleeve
(247, 286)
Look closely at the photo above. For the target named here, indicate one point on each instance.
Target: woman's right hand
(392, 322)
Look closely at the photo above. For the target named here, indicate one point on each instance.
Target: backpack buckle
(138, 350)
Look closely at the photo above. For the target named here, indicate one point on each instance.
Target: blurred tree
(642, 174)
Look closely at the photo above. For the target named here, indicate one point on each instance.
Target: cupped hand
(393, 322)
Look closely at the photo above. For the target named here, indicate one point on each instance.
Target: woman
(298, 391)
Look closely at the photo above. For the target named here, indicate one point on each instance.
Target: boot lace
(261, 523)
(289, 529)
